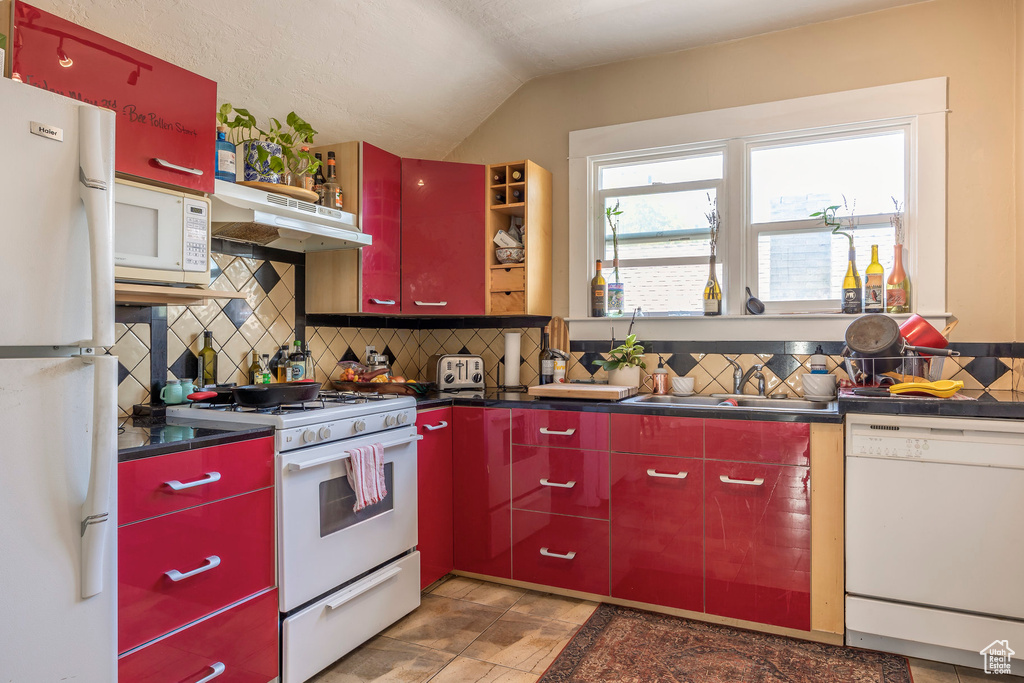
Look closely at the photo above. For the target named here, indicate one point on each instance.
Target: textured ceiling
(417, 76)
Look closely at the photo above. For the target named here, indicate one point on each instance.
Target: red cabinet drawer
(566, 552)
(381, 203)
(657, 530)
(163, 111)
(758, 543)
(562, 480)
(786, 443)
(146, 487)
(657, 435)
(434, 472)
(238, 532)
(481, 467)
(560, 428)
(242, 640)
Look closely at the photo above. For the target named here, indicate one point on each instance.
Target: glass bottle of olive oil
(207, 360)
(598, 291)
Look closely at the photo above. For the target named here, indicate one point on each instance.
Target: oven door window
(337, 500)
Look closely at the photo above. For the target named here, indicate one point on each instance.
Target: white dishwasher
(935, 536)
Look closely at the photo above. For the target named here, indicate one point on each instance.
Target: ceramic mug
(171, 393)
(682, 385)
(819, 386)
(187, 387)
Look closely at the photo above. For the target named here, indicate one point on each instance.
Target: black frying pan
(260, 395)
(877, 338)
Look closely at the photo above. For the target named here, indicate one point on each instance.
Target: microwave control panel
(197, 235)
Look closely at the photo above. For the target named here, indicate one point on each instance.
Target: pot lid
(873, 334)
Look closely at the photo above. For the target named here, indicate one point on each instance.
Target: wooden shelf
(517, 209)
(160, 295)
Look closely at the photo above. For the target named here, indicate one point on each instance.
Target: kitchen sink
(743, 401)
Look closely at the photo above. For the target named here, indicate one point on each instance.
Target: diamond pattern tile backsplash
(265, 319)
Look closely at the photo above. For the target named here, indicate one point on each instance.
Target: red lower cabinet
(239, 645)
(785, 443)
(434, 471)
(562, 480)
(562, 551)
(657, 530)
(758, 543)
(657, 435)
(482, 498)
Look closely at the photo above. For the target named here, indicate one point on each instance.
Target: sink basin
(747, 402)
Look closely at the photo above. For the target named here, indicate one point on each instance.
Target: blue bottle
(225, 163)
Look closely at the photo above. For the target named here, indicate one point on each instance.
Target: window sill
(768, 327)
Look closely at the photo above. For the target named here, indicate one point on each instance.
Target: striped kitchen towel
(365, 469)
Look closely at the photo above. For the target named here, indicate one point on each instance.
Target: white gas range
(343, 576)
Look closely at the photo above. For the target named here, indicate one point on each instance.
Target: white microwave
(160, 235)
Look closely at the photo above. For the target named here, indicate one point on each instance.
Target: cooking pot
(260, 395)
(877, 338)
(919, 332)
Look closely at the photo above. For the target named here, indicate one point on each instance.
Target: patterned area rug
(630, 646)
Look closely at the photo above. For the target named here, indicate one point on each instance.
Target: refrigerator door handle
(99, 497)
(96, 158)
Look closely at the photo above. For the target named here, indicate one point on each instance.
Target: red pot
(919, 332)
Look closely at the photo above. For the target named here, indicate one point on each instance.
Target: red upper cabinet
(434, 467)
(166, 124)
(381, 203)
(443, 238)
(482, 473)
(785, 443)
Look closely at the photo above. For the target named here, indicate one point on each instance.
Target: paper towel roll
(512, 343)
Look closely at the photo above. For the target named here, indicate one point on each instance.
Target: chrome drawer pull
(666, 475)
(218, 669)
(566, 485)
(431, 303)
(383, 302)
(552, 432)
(747, 482)
(210, 562)
(175, 167)
(433, 428)
(208, 479)
(547, 553)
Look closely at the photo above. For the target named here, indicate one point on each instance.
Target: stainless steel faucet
(755, 372)
(738, 379)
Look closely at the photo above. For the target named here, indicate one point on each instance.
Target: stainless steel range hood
(245, 214)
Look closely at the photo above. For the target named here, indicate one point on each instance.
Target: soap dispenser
(817, 362)
(659, 378)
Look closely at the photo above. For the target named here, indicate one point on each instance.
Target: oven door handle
(363, 586)
(341, 455)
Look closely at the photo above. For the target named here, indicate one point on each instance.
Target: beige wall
(971, 42)
(1019, 151)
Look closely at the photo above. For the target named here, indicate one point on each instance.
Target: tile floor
(469, 631)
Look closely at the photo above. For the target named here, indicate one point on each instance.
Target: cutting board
(595, 392)
(559, 334)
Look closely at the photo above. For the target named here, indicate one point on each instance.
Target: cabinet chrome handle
(440, 425)
(666, 475)
(208, 479)
(746, 482)
(431, 303)
(217, 667)
(384, 302)
(552, 432)
(163, 163)
(547, 553)
(209, 563)
(566, 485)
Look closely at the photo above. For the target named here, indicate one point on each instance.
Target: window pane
(791, 182)
(808, 266)
(661, 290)
(708, 167)
(661, 225)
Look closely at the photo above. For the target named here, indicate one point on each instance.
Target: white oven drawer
(321, 633)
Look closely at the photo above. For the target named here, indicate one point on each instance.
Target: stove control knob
(359, 426)
(449, 378)
(325, 433)
(403, 418)
(477, 377)
(308, 435)
(390, 421)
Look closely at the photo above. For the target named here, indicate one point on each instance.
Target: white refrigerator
(58, 390)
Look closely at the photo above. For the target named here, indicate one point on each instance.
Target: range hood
(245, 214)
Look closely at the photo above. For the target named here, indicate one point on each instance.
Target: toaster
(452, 371)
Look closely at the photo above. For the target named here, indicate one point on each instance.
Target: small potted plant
(272, 153)
(853, 295)
(616, 290)
(624, 363)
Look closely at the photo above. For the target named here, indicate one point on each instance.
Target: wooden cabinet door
(381, 207)
(657, 529)
(758, 542)
(444, 249)
(434, 466)
(482, 475)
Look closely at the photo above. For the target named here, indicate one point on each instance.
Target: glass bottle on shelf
(279, 364)
(874, 284)
(310, 365)
(318, 179)
(297, 363)
(712, 290)
(332, 190)
(852, 294)
(207, 360)
(598, 294)
(255, 373)
(225, 156)
(517, 176)
(301, 178)
(897, 288)
(547, 359)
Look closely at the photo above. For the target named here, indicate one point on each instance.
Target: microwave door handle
(342, 455)
(96, 156)
(96, 525)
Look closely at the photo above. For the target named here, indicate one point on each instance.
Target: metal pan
(261, 395)
(877, 337)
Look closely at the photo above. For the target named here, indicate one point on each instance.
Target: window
(768, 166)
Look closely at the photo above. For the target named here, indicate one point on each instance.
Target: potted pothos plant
(624, 363)
(616, 290)
(270, 154)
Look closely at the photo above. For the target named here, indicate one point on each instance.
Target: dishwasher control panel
(985, 443)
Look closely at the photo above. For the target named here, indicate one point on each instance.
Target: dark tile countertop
(145, 438)
(974, 403)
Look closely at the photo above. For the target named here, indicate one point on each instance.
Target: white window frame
(921, 106)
